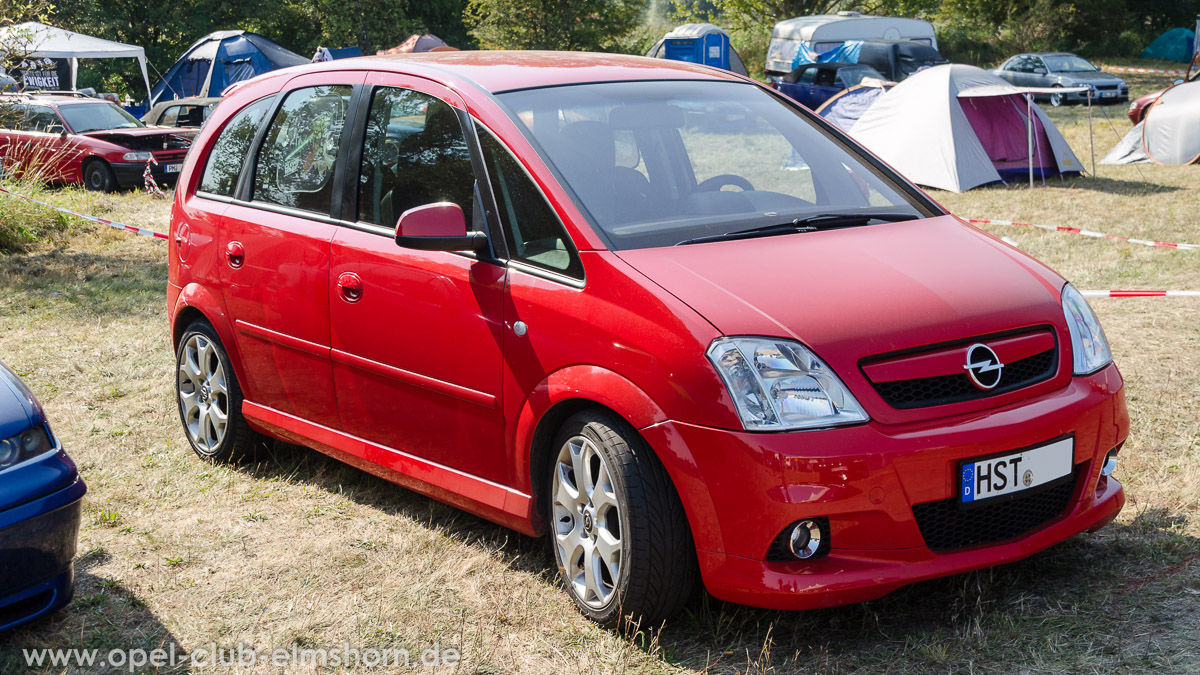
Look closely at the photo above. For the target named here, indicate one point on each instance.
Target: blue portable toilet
(701, 43)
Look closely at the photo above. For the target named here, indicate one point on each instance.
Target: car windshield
(85, 117)
(853, 76)
(1068, 64)
(658, 163)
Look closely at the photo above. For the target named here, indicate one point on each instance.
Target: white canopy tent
(41, 41)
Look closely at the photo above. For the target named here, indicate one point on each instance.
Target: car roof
(1051, 54)
(499, 71)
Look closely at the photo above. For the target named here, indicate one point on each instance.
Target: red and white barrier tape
(94, 219)
(1140, 294)
(1126, 69)
(1086, 233)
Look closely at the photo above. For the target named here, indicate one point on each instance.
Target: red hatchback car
(654, 310)
(68, 139)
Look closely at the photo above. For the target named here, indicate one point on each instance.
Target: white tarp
(41, 41)
(919, 128)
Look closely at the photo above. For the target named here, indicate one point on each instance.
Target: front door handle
(236, 254)
(351, 286)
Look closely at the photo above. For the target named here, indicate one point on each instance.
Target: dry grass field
(299, 550)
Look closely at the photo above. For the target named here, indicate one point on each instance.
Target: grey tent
(955, 127)
(1169, 134)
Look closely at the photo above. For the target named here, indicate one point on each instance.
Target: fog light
(805, 539)
(1110, 463)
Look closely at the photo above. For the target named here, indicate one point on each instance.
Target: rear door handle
(351, 286)
(236, 254)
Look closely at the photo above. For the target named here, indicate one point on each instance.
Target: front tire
(210, 399)
(1057, 99)
(98, 176)
(621, 539)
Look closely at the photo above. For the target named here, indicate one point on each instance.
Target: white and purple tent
(955, 127)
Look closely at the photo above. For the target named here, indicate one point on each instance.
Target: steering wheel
(715, 183)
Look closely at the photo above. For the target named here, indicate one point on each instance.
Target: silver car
(1060, 69)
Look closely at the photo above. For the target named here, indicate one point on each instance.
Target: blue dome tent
(219, 59)
(1176, 44)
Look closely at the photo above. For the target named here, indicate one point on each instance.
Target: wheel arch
(197, 302)
(578, 388)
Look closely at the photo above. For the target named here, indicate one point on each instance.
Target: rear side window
(11, 116)
(414, 153)
(535, 234)
(296, 161)
(41, 118)
(229, 152)
(170, 117)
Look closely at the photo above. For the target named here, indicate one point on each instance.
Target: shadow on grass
(82, 282)
(1089, 587)
(285, 461)
(103, 616)
(1097, 184)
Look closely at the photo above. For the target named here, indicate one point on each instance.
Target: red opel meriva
(651, 309)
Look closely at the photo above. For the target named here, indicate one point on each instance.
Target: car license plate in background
(1108, 94)
(172, 168)
(986, 478)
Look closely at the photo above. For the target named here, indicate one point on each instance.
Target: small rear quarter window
(229, 152)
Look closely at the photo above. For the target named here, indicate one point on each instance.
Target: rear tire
(210, 399)
(98, 176)
(620, 537)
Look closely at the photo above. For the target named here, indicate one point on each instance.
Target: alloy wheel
(203, 393)
(587, 522)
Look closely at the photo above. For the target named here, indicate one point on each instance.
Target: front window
(661, 163)
(1068, 64)
(85, 117)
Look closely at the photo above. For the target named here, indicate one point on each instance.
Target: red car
(541, 288)
(68, 139)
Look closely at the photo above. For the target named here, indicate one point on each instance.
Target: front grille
(942, 389)
(947, 525)
(1106, 87)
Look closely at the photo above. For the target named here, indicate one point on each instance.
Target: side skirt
(486, 499)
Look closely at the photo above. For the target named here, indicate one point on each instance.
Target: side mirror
(437, 227)
(1039, 71)
(56, 129)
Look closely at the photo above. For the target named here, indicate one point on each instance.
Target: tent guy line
(1085, 233)
(95, 219)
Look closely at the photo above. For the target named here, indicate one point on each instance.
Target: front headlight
(779, 384)
(1088, 343)
(28, 443)
(137, 157)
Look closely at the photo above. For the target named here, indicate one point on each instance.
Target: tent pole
(1091, 133)
(1029, 127)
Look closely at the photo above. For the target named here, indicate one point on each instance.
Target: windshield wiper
(824, 221)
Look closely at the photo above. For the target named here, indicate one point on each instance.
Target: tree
(588, 25)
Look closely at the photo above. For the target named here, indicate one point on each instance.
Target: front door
(274, 251)
(416, 335)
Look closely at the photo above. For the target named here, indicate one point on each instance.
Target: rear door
(416, 335)
(274, 249)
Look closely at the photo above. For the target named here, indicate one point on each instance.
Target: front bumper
(744, 489)
(130, 175)
(1098, 98)
(37, 545)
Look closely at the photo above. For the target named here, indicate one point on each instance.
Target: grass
(301, 550)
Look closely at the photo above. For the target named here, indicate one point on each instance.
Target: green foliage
(588, 25)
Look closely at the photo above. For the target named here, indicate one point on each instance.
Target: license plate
(1107, 94)
(984, 479)
(172, 168)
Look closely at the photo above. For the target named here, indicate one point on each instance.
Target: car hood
(19, 408)
(858, 292)
(150, 138)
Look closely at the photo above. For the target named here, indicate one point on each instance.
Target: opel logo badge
(983, 366)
